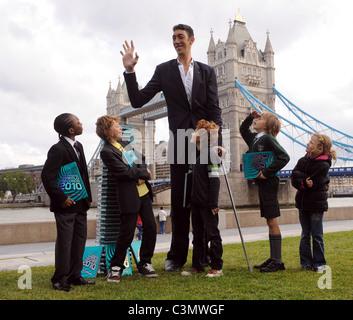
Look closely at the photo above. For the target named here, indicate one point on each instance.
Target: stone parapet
(34, 232)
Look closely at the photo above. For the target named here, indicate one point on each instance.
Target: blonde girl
(310, 177)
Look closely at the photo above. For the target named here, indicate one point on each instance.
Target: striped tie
(77, 150)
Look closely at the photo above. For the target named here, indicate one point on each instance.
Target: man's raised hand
(129, 61)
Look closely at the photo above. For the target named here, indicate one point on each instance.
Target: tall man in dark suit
(190, 90)
(70, 215)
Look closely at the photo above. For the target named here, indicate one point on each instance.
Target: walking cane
(236, 217)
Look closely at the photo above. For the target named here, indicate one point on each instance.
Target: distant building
(33, 171)
(161, 165)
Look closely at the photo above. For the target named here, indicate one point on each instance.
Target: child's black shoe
(273, 266)
(263, 265)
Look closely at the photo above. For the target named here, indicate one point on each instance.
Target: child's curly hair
(103, 125)
(208, 126)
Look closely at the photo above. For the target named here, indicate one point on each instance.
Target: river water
(35, 214)
(14, 215)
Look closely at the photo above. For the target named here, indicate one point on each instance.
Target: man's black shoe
(81, 282)
(273, 266)
(62, 286)
(171, 265)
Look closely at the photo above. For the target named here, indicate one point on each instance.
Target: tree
(16, 182)
(3, 187)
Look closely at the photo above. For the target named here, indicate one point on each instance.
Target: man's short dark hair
(185, 27)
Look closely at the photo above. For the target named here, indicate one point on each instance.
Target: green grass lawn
(236, 284)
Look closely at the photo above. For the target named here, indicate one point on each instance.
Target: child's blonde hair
(326, 143)
(273, 125)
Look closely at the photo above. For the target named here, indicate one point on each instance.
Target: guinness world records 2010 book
(70, 182)
(254, 162)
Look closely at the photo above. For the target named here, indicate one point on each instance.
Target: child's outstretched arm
(245, 132)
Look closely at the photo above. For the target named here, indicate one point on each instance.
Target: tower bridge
(153, 110)
(245, 77)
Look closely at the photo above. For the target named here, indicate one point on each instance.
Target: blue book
(135, 250)
(130, 157)
(70, 182)
(91, 259)
(255, 162)
(109, 253)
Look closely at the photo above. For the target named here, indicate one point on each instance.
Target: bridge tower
(238, 57)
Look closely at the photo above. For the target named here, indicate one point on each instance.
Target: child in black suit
(134, 196)
(70, 215)
(204, 201)
(267, 126)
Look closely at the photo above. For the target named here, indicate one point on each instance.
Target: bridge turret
(231, 45)
(211, 52)
(109, 94)
(119, 94)
(269, 60)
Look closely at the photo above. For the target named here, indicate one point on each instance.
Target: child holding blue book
(267, 126)
(70, 210)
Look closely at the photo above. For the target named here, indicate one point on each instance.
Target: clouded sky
(59, 56)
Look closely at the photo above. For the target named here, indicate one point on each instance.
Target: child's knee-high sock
(276, 247)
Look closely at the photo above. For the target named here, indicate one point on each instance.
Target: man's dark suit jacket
(59, 155)
(181, 115)
(125, 176)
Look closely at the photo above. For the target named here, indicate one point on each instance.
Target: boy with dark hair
(70, 214)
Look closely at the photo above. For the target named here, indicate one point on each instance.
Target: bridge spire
(119, 88)
(268, 46)
(239, 17)
(211, 52)
(110, 89)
